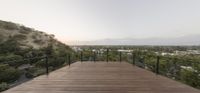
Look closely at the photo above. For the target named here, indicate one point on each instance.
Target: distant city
(184, 40)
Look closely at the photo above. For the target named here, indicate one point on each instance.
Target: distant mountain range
(184, 40)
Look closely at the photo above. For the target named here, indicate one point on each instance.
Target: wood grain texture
(102, 77)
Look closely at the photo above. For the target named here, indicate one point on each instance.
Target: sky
(85, 20)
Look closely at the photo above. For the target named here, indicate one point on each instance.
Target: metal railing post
(133, 58)
(120, 56)
(157, 64)
(107, 55)
(81, 56)
(175, 67)
(47, 65)
(69, 59)
(94, 56)
(143, 61)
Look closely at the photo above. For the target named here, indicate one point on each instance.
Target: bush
(56, 62)
(1, 38)
(24, 32)
(19, 37)
(9, 46)
(10, 59)
(190, 77)
(25, 29)
(34, 36)
(33, 72)
(40, 63)
(8, 74)
(3, 86)
(37, 41)
(9, 26)
(29, 75)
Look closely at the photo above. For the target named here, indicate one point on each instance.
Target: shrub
(37, 41)
(10, 26)
(10, 59)
(24, 32)
(40, 63)
(9, 46)
(1, 38)
(23, 28)
(190, 77)
(19, 37)
(29, 75)
(34, 36)
(34, 71)
(57, 62)
(3, 86)
(8, 74)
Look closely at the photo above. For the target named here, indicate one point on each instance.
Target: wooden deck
(102, 77)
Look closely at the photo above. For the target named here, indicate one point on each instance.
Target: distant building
(164, 54)
(76, 48)
(195, 52)
(127, 51)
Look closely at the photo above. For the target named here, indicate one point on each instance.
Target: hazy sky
(101, 19)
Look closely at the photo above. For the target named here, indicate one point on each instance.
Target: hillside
(18, 42)
(26, 37)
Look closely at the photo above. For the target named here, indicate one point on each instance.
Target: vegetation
(3, 86)
(13, 53)
(8, 25)
(181, 67)
(8, 74)
(184, 68)
(19, 37)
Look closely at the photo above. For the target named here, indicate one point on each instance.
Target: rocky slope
(26, 37)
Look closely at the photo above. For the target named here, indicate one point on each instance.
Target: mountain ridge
(184, 40)
(25, 36)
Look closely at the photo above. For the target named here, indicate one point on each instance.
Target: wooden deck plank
(102, 77)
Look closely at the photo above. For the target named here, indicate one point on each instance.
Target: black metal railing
(45, 59)
(169, 66)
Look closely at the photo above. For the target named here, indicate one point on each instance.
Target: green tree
(190, 77)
